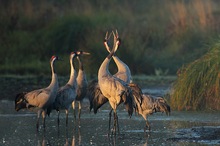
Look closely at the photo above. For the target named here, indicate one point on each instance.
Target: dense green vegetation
(198, 84)
(157, 36)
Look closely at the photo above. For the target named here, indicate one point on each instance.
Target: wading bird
(81, 83)
(149, 104)
(67, 93)
(97, 99)
(39, 100)
(114, 89)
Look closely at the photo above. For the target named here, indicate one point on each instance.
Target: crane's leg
(44, 117)
(74, 111)
(147, 126)
(58, 118)
(38, 117)
(79, 112)
(115, 122)
(67, 113)
(109, 122)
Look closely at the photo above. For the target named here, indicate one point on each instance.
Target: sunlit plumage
(39, 100)
(97, 99)
(114, 89)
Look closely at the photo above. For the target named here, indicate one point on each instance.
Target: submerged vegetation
(198, 84)
(162, 34)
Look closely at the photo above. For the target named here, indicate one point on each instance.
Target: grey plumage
(67, 93)
(113, 88)
(96, 98)
(147, 105)
(82, 83)
(39, 100)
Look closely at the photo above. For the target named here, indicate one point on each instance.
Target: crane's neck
(122, 67)
(73, 73)
(124, 72)
(81, 77)
(54, 81)
(80, 64)
(103, 70)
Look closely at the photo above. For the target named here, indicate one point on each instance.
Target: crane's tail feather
(96, 98)
(163, 107)
(20, 101)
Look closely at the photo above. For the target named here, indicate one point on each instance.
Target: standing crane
(149, 104)
(67, 93)
(114, 89)
(39, 100)
(95, 95)
(81, 84)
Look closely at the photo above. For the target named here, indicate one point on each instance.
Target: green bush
(155, 35)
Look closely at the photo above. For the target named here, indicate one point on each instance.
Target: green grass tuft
(197, 87)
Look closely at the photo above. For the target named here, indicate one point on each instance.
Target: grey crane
(114, 89)
(39, 100)
(67, 93)
(149, 104)
(95, 95)
(81, 83)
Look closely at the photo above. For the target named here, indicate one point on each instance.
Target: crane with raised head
(114, 89)
(39, 100)
(95, 95)
(67, 93)
(82, 83)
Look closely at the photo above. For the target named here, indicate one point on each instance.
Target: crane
(39, 100)
(81, 83)
(114, 89)
(149, 104)
(67, 93)
(95, 95)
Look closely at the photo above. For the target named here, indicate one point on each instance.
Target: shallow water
(18, 128)
(180, 128)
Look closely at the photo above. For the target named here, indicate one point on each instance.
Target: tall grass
(154, 34)
(198, 84)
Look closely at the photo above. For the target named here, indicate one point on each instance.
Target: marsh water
(180, 128)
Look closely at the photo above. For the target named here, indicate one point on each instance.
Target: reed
(197, 86)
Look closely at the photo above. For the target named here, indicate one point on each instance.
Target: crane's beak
(82, 53)
(85, 53)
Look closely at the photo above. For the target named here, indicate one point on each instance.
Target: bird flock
(114, 89)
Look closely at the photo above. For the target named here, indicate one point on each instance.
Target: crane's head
(117, 41)
(73, 55)
(20, 101)
(54, 58)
